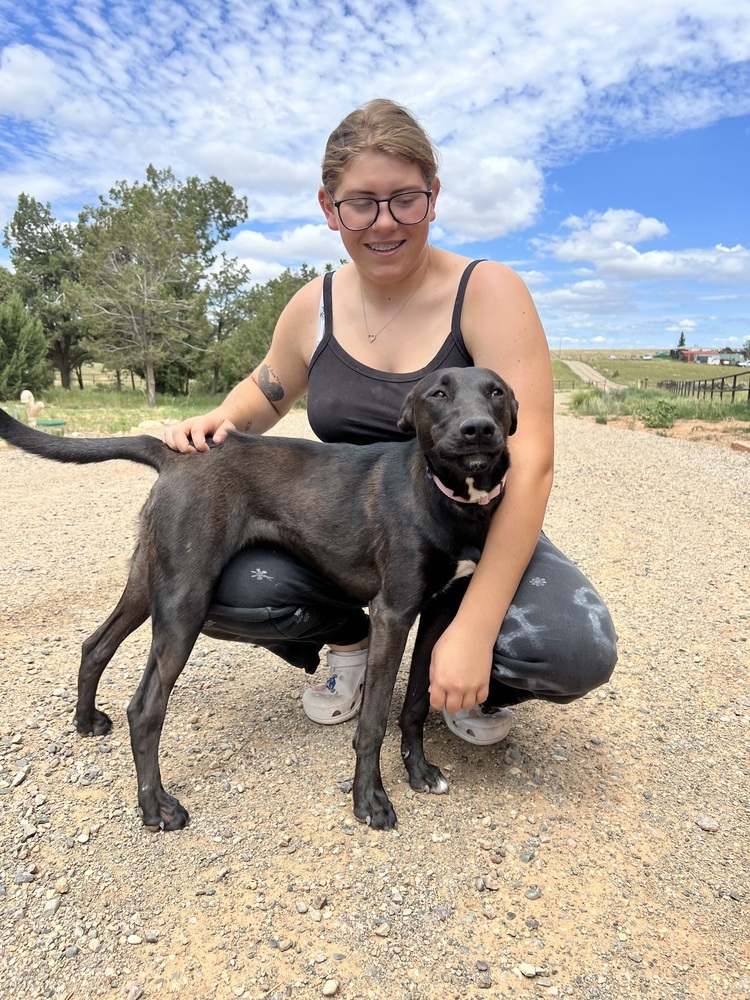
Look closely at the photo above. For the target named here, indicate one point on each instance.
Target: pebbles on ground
(599, 852)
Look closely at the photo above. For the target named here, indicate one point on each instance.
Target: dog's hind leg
(170, 649)
(132, 610)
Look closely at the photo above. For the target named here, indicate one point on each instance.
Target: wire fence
(102, 379)
(729, 388)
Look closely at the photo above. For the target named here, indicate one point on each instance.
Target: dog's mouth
(475, 459)
(476, 463)
(486, 466)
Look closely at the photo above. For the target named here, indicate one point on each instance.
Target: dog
(389, 523)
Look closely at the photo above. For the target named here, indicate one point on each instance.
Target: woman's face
(387, 250)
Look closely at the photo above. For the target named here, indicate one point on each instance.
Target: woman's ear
(329, 209)
(435, 192)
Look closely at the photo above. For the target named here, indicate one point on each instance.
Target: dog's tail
(144, 449)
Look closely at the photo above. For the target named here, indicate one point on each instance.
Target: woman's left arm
(503, 332)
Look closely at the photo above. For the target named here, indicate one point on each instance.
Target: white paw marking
(441, 787)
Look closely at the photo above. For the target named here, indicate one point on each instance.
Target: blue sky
(600, 147)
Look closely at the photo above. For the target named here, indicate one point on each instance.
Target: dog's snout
(478, 430)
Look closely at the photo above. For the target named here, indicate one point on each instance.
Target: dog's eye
(438, 393)
(496, 393)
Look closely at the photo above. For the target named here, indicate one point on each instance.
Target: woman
(528, 624)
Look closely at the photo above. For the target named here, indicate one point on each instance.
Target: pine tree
(23, 351)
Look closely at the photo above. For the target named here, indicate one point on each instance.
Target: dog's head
(462, 418)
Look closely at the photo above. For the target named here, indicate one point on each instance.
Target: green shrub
(594, 402)
(655, 407)
(657, 413)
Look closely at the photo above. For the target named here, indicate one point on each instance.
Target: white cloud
(584, 297)
(488, 197)
(607, 241)
(238, 92)
(309, 244)
(681, 326)
(534, 279)
(248, 92)
(28, 82)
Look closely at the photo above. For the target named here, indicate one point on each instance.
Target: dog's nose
(478, 431)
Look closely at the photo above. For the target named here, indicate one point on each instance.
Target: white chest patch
(475, 496)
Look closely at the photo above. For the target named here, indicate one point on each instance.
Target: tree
(23, 350)
(45, 257)
(7, 284)
(145, 253)
(682, 339)
(228, 307)
(264, 305)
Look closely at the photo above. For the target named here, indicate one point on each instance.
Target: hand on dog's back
(190, 435)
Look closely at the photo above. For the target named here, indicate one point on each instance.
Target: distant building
(706, 356)
(695, 354)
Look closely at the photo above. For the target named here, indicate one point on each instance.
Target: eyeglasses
(408, 209)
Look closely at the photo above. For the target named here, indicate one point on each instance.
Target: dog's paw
(376, 811)
(426, 777)
(166, 813)
(96, 724)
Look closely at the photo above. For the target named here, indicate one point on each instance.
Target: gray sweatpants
(557, 641)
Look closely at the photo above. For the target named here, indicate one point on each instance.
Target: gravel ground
(601, 851)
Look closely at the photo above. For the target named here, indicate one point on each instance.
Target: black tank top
(347, 401)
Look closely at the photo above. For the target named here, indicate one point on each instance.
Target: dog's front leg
(435, 618)
(389, 632)
(423, 776)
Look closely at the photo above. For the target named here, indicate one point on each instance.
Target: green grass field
(642, 399)
(105, 411)
(630, 369)
(99, 408)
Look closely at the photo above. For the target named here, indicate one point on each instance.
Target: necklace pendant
(371, 337)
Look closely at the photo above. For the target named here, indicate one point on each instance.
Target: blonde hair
(381, 125)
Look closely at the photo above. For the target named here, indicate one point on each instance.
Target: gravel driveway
(601, 851)
(589, 374)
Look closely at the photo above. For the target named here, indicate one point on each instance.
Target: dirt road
(589, 374)
(600, 852)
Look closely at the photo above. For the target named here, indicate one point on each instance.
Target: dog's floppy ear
(513, 416)
(406, 419)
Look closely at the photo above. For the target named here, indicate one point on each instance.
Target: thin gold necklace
(373, 336)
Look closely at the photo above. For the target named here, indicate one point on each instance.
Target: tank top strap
(459, 305)
(325, 320)
(328, 304)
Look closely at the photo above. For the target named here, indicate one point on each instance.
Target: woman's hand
(460, 669)
(190, 435)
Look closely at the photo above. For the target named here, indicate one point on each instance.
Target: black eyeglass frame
(378, 202)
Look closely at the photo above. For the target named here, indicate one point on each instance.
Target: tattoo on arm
(270, 385)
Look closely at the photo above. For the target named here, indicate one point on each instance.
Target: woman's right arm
(261, 400)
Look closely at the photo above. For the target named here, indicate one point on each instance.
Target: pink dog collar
(475, 496)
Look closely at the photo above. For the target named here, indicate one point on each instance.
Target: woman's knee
(586, 667)
(555, 652)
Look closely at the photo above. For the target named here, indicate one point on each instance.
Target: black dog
(388, 523)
